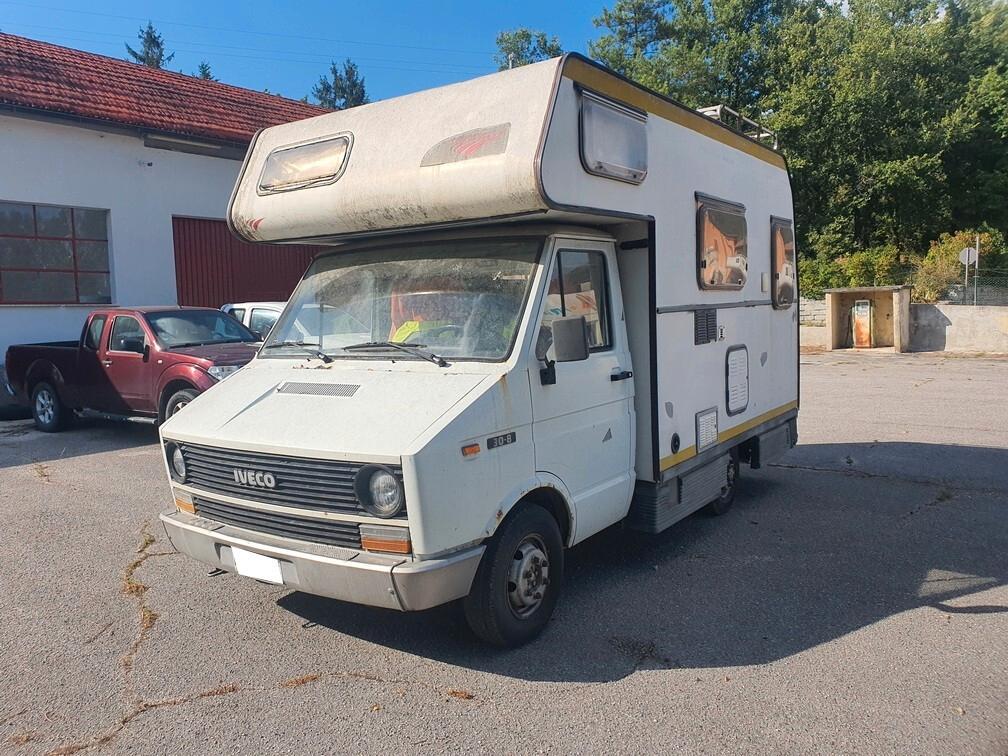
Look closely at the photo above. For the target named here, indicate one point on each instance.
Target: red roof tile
(41, 76)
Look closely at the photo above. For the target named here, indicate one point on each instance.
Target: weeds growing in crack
(146, 618)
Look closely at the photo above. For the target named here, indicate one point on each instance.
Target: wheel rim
(45, 406)
(178, 406)
(729, 479)
(528, 577)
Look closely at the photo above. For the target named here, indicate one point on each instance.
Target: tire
(49, 412)
(178, 401)
(526, 553)
(724, 502)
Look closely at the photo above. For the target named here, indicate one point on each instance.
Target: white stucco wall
(142, 188)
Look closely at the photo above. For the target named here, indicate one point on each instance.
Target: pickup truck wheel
(518, 581)
(47, 409)
(179, 400)
(723, 503)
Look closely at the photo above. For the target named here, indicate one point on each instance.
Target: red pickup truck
(146, 363)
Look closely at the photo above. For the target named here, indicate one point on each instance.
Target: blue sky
(284, 47)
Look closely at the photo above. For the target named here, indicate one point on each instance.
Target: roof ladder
(738, 122)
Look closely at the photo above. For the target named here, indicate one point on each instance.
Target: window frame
(703, 202)
(607, 293)
(74, 270)
(270, 311)
(87, 332)
(586, 95)
(775, 223)
(111, 333)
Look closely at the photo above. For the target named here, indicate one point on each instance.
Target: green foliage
(522, 46)
(152, 49)
(204, 72)
(342, 88)
(816, 274)
(940, 268)
(893, 114)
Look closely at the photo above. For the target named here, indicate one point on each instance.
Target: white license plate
(257, 566)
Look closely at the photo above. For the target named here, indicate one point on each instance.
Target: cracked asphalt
(855, 599)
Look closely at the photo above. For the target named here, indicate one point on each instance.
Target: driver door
(584, 423)
(126, 365)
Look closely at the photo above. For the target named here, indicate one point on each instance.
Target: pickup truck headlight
(220, 372)
(379, 491)
(176, 462)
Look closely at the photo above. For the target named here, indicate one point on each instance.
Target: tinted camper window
(785, 274)
(722, 261)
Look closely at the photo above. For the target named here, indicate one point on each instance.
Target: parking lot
(853, 600)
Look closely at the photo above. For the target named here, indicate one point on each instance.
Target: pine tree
(204, 72)
(152, 50)
(344, 90)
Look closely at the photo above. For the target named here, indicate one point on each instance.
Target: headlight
(220, 372)
(176, 462)
(379, 491)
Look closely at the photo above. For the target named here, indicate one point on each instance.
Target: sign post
(967, 257)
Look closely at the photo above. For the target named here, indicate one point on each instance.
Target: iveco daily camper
(555, 301)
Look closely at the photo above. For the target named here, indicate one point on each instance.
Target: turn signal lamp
(391, 540)
(470, 450)
(184, 502)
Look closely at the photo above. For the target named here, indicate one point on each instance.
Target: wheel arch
(551, 494)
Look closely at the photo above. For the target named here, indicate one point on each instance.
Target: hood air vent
(318, 389)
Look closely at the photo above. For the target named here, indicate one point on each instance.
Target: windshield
(460, 299)
(179, 328)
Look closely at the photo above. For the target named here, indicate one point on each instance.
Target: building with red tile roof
(49, 79)
(114, 189)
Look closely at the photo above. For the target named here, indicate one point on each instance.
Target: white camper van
(555, 301)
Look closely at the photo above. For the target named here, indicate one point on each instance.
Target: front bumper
(388, 581)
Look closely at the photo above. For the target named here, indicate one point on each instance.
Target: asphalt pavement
(854, 600)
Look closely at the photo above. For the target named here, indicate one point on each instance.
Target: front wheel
(48, 411)
(518, 581)
(178, 401)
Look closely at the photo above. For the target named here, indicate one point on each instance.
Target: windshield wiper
(304, 346)
(414, 349)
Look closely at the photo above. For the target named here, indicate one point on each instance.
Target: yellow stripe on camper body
(690, 451)
(601, 81)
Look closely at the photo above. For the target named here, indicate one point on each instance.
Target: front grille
(318, 484)
(330, 532)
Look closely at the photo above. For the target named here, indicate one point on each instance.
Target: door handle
(107, 363)
(622, 375)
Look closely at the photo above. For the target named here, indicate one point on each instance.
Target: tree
(345, 88)
(152, 50)
(204, 72)
(522, 46)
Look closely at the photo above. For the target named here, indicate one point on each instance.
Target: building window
(784, 270)
(722, 261)
(579, 286)
(53, 255)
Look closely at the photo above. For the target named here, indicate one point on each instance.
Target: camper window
(579, 286)
(722, 261)
(782, 250)
(613, 140)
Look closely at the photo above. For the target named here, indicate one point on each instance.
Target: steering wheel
(435, 332)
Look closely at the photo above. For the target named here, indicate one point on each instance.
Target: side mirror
(570, 339)
(146, 352)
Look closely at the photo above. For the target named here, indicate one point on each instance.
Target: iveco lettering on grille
(256, 478)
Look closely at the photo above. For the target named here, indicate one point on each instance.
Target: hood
(221, 354)
(361, 414)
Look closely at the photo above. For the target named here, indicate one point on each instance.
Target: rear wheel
(518, 581)
(723, 503)
(49, 412)
(178, 401)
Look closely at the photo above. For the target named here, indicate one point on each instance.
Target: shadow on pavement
(21, 443)
(808, 554)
